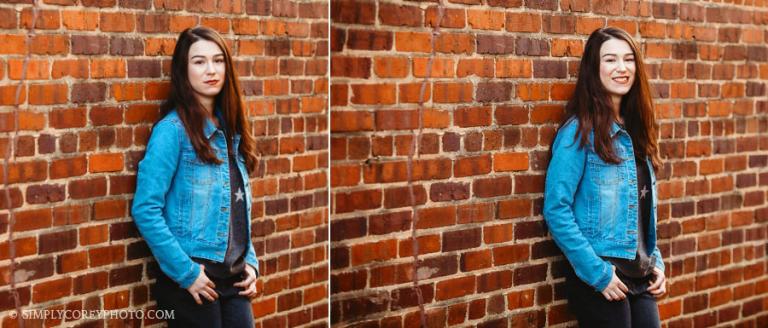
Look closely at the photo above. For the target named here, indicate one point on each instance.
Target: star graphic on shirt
(643, 192)
(239, 195)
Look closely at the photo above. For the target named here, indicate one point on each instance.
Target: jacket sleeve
(155, 175)
(659, 261)
(250, 257)
(565, 171)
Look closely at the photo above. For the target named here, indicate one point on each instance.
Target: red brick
(45, 20)
(376, 251)
(107, 68)
(475, 165)
(513, 68)
(25, 172)
(451, 18)
(565, 24)
(52, 290)
(510, 162)
(369, 39)
(426, 245)
(476, 260)
(14, 44)
(105, 162)
(371, 94)
(452, 92)
(455, 43)
(35, 69)
(48, 94)
(453, 288)
(492, 187)
(412, 93)
(400, 15)
(77, 68)
(472, 116)
(351, 121)
(413, 41)
(395, 67)
(438, 67)
(106, 255)
(117, 22)
(358, 200)
(23, 247)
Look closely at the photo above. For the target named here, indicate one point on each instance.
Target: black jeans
(638, 310)
(229, 310)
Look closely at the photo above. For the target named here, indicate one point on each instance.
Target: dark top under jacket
(234, 260)
(643, 263)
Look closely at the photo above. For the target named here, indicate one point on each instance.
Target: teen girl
(193, 196)
(600, 190)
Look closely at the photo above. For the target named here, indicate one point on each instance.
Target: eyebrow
(201, 56)
(627, 54)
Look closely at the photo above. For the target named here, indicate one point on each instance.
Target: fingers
(655, 283)
(250, 292)
(623, 287)
(658, 292)
(618, 295)
(209, 293)
(658, 281)
(197, 298)
(613, 294)
(246, 282)
(658, 288)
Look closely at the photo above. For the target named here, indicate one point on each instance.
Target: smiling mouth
(621, 79)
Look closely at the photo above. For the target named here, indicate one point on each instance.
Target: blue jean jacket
(181, 205)
(590, 206)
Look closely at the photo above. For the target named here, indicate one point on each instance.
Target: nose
(209, 69)
(622, 66)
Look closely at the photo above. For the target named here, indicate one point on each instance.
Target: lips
(211, 82)
(621, 79)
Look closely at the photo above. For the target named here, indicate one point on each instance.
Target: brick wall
(98, 70)
(501, 72)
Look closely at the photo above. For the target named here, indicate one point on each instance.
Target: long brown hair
(591, 103)
(229, 100)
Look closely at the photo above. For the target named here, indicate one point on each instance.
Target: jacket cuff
(605, 278)
(660, 263)
(189, 278)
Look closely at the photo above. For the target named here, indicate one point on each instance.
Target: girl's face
(617, 67)
(206, 69)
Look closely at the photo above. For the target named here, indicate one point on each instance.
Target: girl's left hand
(249, 283)
(659, 284)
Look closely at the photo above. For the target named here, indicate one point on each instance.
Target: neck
(207, 104)
(616, 102)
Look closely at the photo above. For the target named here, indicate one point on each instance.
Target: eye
(219, 60)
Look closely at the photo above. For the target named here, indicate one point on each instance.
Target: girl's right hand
(203, 286)
(616, 289)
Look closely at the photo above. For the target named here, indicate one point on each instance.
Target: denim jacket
(590, 206)
(182, 205)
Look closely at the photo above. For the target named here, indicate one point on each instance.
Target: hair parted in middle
(591, 103)
(229, 100)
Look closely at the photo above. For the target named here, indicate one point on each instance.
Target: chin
(620, 91)
(210, 92)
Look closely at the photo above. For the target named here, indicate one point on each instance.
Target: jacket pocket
(603, 173)
(196, 171)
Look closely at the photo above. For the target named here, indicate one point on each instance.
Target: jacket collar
(209, 128)
(615, 128)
